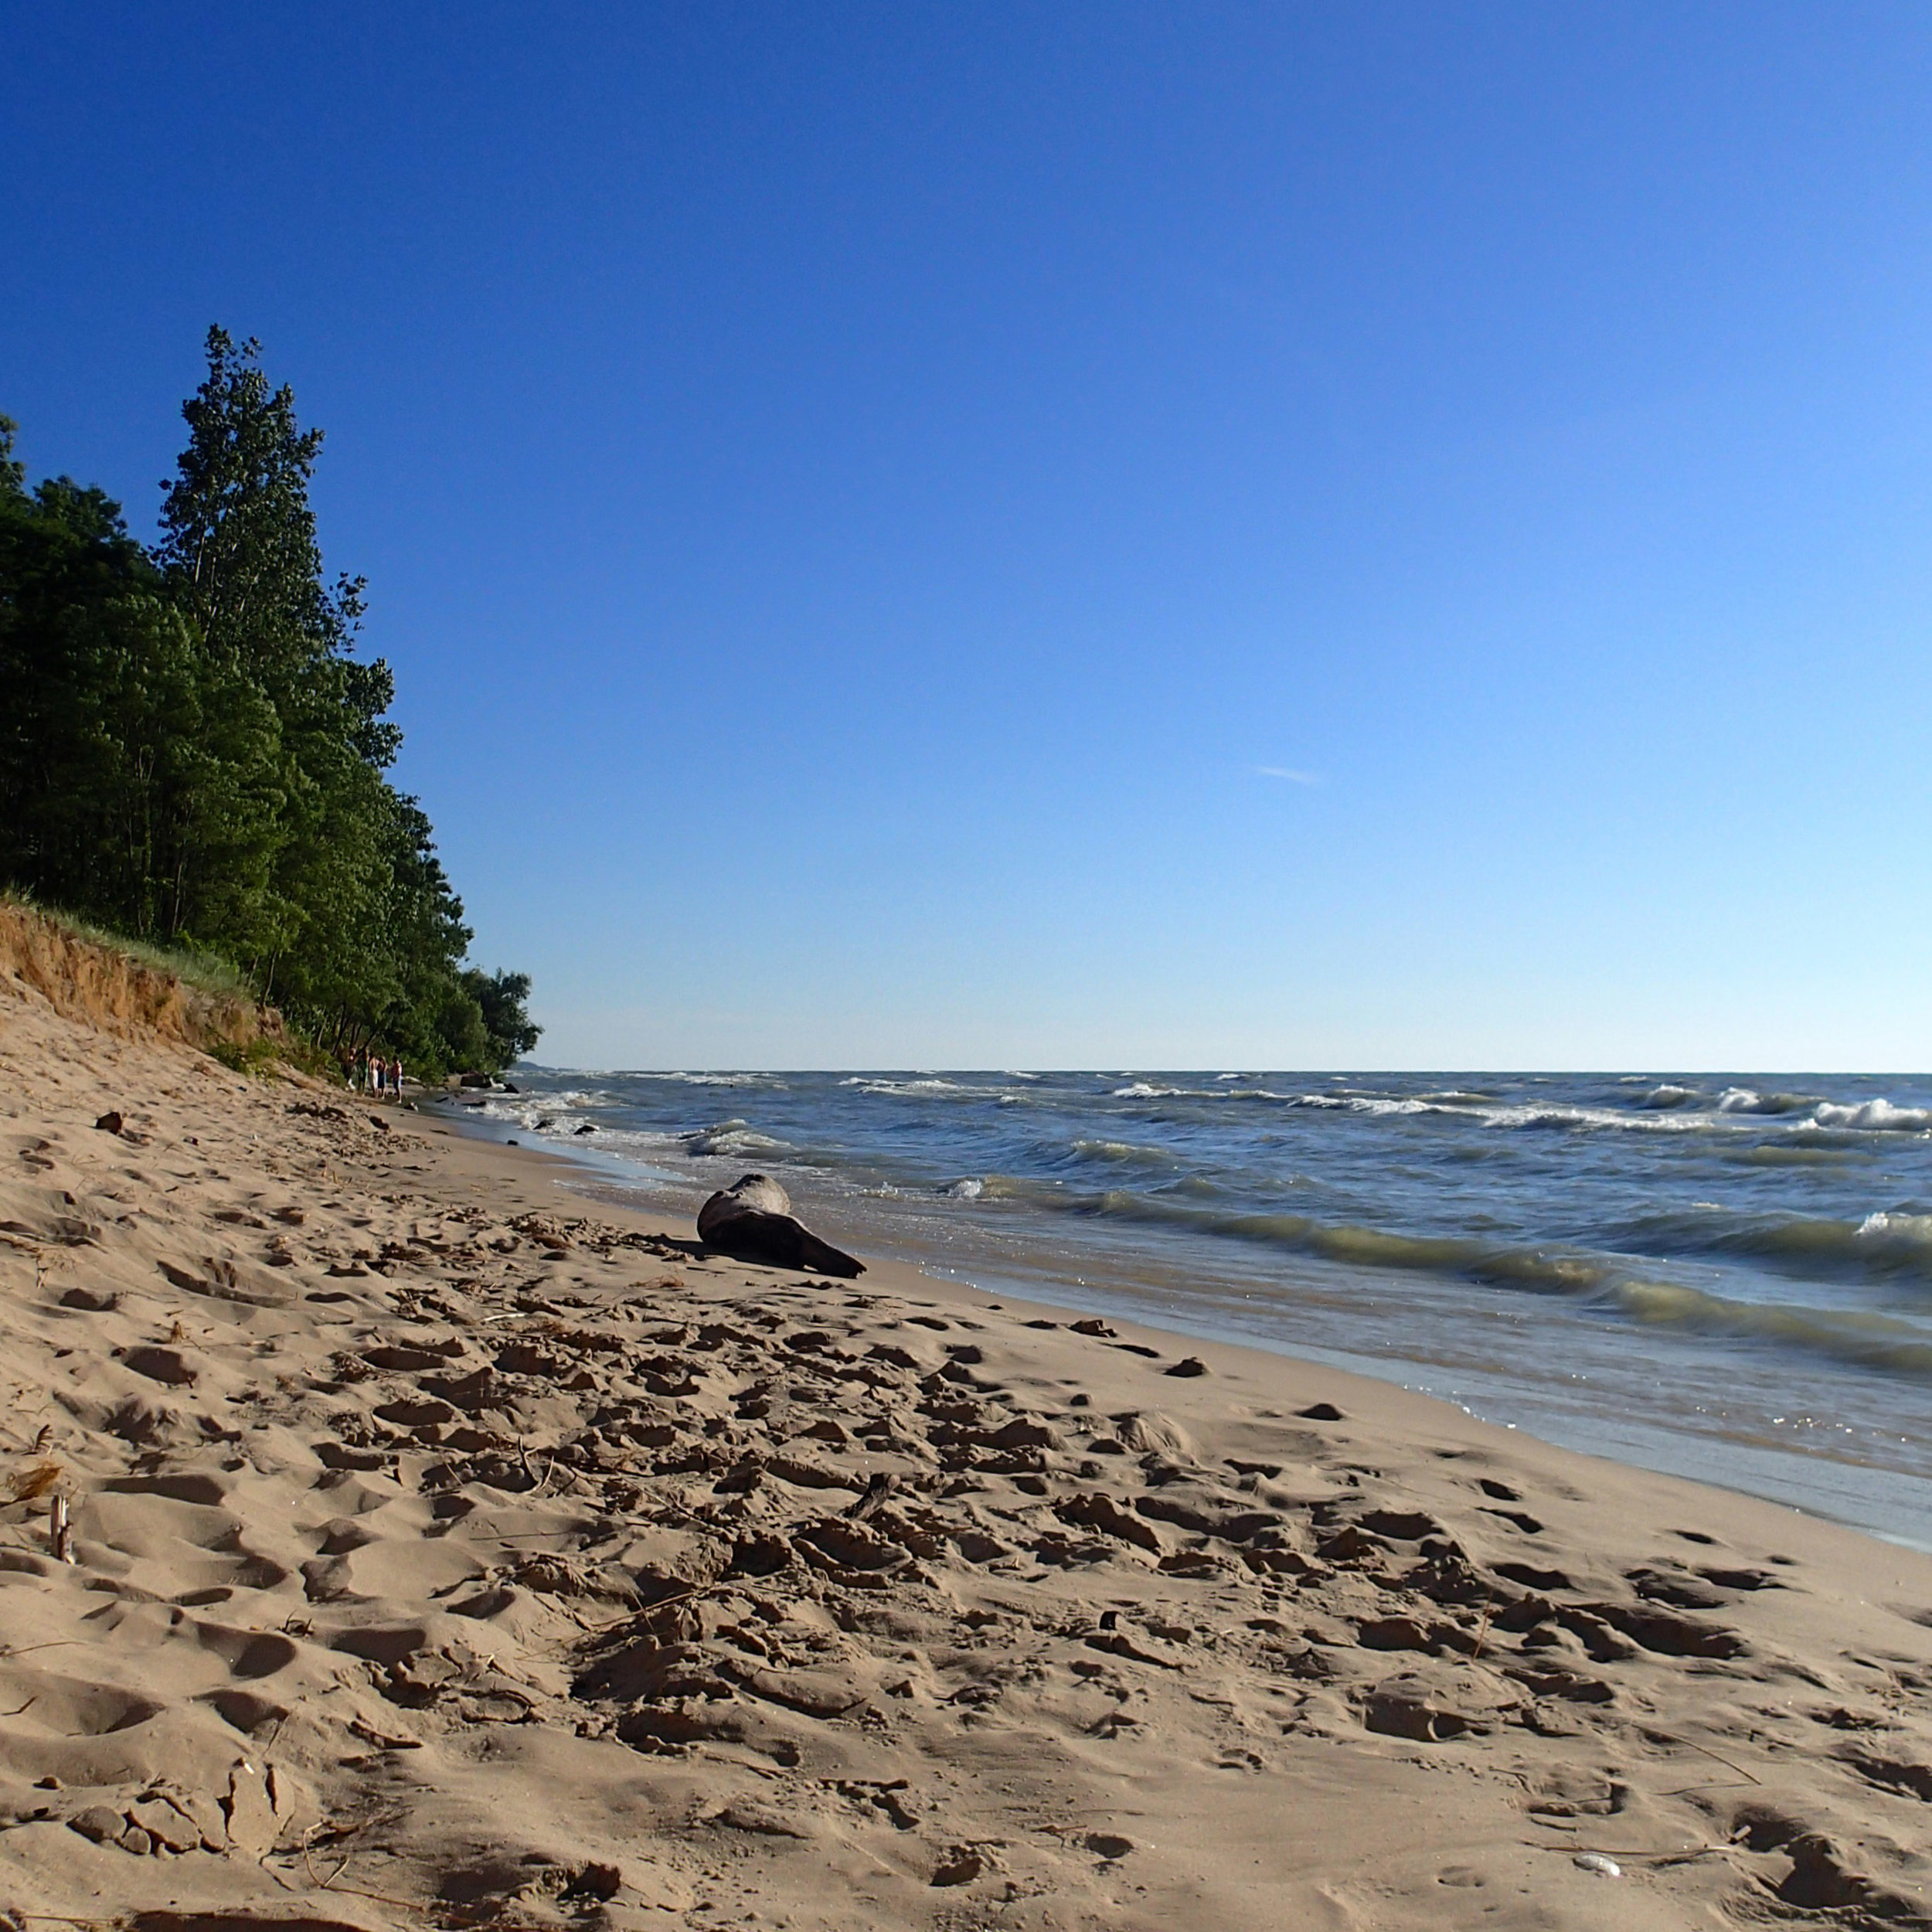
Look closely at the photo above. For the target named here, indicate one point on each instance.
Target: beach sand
(450, 1548)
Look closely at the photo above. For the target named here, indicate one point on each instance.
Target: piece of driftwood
(752, 1220)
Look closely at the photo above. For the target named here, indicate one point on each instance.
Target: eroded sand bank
(451, 1549)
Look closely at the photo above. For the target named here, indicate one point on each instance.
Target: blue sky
(867, 503)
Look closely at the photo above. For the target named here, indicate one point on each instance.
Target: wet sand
(448, 1548)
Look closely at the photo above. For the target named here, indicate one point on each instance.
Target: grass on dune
(207, 972)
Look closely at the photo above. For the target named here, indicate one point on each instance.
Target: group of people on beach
(366, 1073)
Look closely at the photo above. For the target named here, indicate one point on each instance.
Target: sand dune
(450, 1548)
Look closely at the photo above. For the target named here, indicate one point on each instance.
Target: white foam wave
(1746, 1099)
(1126, 1151)
(1915, 1230)
(1147, 1090)
(730, 1138)
(1667, 1096)
(1529, 1115)
(712, 1080)
(1877, 1116)
(870, 1083)
(969, 1190)
(1379, 1105)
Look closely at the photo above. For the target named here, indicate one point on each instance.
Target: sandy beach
(403, 1538)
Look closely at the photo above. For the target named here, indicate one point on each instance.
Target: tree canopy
(191, 750)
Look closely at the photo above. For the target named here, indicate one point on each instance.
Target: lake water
(1725, 1276)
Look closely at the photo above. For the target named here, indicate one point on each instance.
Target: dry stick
(1482, 1629)
(353, 1891)
(771, 1586)
(523, 1452)
(62, 1532)
(1618, 1852)
(1692, 1744)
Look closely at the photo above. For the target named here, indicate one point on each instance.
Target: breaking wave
(1867, 1340)
(1547, 1269)
(1798, 1154)
(1886, 1243)
(1745, 1100)
(1125, 1153)
(1874, 1116)
(1860, 1340)
(886, 1088)
(1669, 1097)
(730, 1139)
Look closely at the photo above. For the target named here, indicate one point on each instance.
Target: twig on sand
(538, 1487)
(1482, 1629)
(62, 1532)
(1692, 1744)
(330, 1884)
(1622, 1852)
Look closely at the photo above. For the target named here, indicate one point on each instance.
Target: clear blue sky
(1116, 535)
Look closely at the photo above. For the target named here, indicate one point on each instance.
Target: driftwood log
(752, 1220)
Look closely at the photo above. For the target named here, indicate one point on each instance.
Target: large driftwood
(752, 1220)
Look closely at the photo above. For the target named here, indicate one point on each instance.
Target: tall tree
(190, 747)
(503, 997)
(138, 781)
(238, 532)
(238, 544)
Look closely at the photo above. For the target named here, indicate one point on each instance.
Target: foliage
(192, 753)
(208, 972)
(502, 998)
(257, 1056)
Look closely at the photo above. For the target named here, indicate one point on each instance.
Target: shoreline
(451, 1548)
(1807, 1491)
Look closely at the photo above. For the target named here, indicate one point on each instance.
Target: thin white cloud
(1293, 778)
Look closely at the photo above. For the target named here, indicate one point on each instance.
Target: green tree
(240, 548)
(189, 746)
(431, 1017)
(502, 998)
(137, 782)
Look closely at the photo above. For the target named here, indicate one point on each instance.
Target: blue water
(1725, 1277)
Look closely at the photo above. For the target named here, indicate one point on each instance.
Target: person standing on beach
(395, 1078)
(375, 1075)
